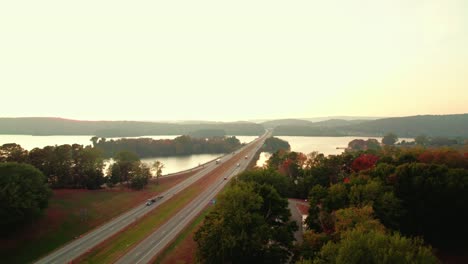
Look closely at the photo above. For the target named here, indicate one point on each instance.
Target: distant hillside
(306, 131)
(338, 122)
(348, 118)
(411, 126)
(286, 122)
(430, 125)
(59, 126)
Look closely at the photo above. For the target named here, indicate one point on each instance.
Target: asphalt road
(85, 243)
(150, 247)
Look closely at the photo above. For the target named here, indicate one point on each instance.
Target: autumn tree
(364, 162)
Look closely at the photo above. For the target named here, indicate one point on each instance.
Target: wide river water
(325, 145)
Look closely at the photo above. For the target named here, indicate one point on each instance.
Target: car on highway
(238, 164)
(218, 161)
(150, 201)
(225, 178)
(246, 157)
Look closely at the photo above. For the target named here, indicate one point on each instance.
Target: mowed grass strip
(182, 249)
(72, 213)
(115, 247)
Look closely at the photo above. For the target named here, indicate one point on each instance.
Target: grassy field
(72, 213)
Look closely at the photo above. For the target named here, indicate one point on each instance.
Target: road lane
(85, 243)
(147, 249)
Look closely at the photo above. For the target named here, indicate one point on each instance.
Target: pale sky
(232, 60)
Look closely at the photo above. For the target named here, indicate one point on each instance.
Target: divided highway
(78, 247)
(150, 247)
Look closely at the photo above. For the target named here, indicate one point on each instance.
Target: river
(325, 145)
(171, 164)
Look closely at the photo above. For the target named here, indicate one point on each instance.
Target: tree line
(78, 166)
(182, 145)
(27, 176)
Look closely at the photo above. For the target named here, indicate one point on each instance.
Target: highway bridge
(147, 249)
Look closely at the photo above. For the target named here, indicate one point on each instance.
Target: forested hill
(286, 122)
(411, 126)
(59, 126)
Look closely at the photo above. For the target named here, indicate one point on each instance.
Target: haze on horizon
(228, 61)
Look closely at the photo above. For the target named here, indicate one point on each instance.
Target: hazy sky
(232, 60)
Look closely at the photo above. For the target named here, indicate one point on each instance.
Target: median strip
(113, 248)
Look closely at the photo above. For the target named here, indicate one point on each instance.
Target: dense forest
(385, 204)
(59, 126)
(183, 145)
(273, 144)
(76, 166)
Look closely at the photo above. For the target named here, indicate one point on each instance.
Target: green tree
(94, 140)
(283, 185)
(157, 169)
(141, 177)
(273, 144)
(360, 218)
(249, 224)
(87, 167)
(126, 166)
(390, 139)
(421, 140)
(434, 203)
(337, 197)
(376, 247)
(23, 194)
(317, 196)
(12, 152)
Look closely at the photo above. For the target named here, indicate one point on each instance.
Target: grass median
(182, 249)
(116, 246)
(113, 248)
